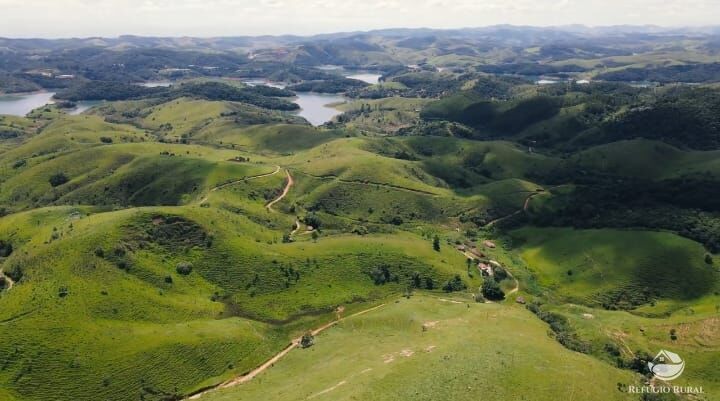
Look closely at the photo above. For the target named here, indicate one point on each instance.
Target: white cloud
(50, 18)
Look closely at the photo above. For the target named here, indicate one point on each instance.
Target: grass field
(648, 159)
(465, 353)
(695, 324)
(616, 267)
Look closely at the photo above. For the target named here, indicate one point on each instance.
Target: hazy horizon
(358, 31)
(223, 18)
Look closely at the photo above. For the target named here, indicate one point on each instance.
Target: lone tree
(307, 340)
(184, 268)
(455, 284)
(5, 249)
(58, 179)
(436, 243)
(492, 291)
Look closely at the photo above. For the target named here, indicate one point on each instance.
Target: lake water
(156, 84)
(372, 79)
(329, 67)
(260, 81)
(313, 106)
(21, 104)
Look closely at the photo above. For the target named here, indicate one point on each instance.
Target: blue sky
(68, 18)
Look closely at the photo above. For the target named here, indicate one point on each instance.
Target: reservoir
(21, 104)
(372, 79)
(156, 84)
(313, 106)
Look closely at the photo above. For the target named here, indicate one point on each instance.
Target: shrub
(15, 273)
(416, 280)
(564, 333)
(455, 284)
(106, 139)
(307, 340)
(639, 362)
(492, 291)
(58, 179)
(429, 283)
(99, 252)
(436, 243)
(5, 249)
(184, 268)
(313, 220)
(19, 163)
(119, 250)
(382, 275)
(500, 274)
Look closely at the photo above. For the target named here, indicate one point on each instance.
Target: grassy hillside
(617, 269)
(150, 249)
(109, 284)
(647, 159)
(695, 336)
(463, 353)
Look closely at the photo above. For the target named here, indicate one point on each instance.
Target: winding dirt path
(296, 228)
(233, 182)
(284, 193)
(524, 209)
(8, 280)
(517, 284)
(270, 362)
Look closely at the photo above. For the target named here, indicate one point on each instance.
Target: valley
(380, 216)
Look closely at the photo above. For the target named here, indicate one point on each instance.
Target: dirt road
(524, 209)
(284, 193)
(295, 228)
(233, 182)
(270, 362)
(8, 280)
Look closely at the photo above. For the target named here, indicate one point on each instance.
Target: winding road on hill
(270, 362)
(523, 209)
(8, 280)
(284, 193)
(233, 182)
(296, 228)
